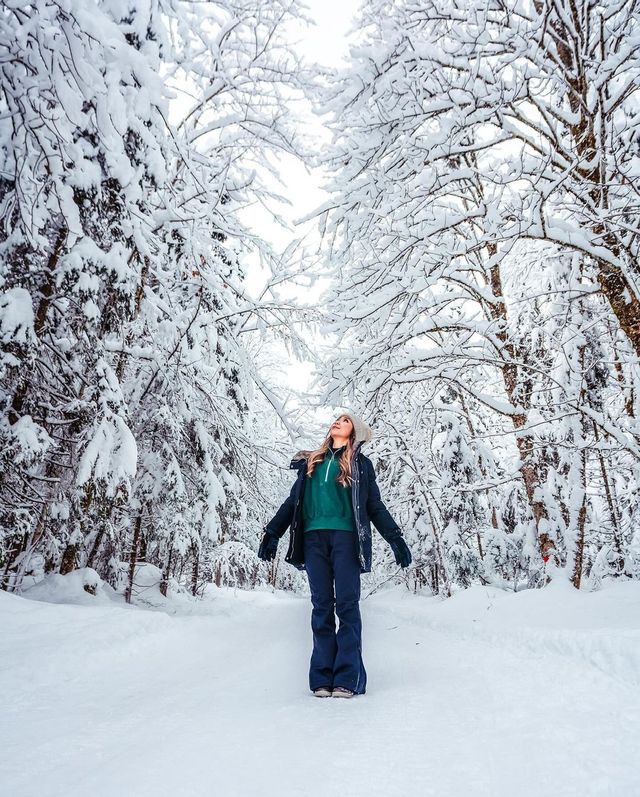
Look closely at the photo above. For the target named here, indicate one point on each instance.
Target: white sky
(326, 42)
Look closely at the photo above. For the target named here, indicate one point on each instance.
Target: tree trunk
(164, 583)
(623, 301)
(19, 546)
(133, 558)
(483, 471)
(195, 574)
(617, 536)
(440, 568)
(578, 559)
(46, 292)
(591, 169)
(95, 548)
(524, 442)
(69, 558)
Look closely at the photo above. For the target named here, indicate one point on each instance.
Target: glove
(401, 552)
(268, 547)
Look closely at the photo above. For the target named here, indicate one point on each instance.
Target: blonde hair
(316, 457)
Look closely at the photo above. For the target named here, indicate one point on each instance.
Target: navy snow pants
(333, 568)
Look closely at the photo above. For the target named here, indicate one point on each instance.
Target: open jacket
(367, 505)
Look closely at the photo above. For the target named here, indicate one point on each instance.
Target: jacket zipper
(355, 498)
(326, 471)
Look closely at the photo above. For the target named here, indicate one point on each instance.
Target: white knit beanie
(363, 433)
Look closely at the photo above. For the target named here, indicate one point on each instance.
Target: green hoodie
(326, 503)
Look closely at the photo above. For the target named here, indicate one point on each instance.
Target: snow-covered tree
(478, 149)
(132, 137)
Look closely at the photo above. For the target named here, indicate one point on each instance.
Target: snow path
(112, 700)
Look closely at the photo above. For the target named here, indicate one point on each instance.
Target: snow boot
(322, 691)
(340, 691)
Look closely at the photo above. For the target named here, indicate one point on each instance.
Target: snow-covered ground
(488, 693)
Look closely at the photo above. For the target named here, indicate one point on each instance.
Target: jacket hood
(299, 456)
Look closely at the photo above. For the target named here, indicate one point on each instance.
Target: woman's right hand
(268, 547)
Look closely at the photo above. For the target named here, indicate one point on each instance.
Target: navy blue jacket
(367, 508)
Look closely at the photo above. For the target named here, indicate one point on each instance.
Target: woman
(332, 503)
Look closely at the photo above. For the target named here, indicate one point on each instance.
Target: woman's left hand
(401, 552)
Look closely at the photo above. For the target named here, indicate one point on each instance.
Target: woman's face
(342, 427)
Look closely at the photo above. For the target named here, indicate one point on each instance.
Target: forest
(477, 246)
